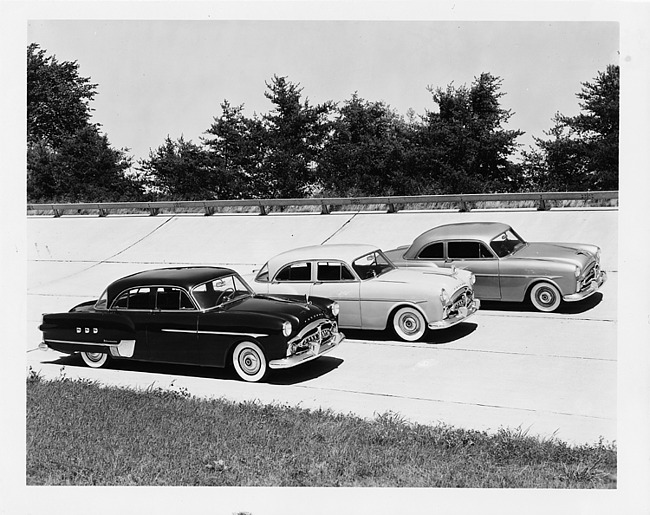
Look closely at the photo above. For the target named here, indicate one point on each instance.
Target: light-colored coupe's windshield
(372, 265)
(220, 291)
(507, 243)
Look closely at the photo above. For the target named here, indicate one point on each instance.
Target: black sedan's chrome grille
(316, 336)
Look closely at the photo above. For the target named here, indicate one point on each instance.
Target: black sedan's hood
(302, 312)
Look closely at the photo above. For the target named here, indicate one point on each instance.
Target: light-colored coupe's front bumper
(313, 353)
(590, 290)
(464, 314)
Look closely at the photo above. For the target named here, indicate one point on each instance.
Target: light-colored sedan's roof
(483, 231)
(340, 252)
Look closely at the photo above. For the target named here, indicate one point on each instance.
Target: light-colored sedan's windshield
(372, 265)
(507, 243)
(220, 291)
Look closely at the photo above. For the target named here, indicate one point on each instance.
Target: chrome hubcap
(546, 297)
(249, 362)
(409, 324)
(94, 356)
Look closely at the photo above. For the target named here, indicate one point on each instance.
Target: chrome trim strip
(101, 344)
(225, 333)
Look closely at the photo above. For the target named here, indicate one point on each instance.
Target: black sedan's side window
(136, 298)
(295, 272)
(433, 251)
(468, 250)
(172, 299)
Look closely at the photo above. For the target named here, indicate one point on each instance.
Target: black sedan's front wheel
(249, 362)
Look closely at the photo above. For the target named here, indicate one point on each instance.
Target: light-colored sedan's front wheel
(95, 359)
(409, 324)
(249, 362)
(545, 297)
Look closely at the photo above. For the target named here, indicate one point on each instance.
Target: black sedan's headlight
(287, 328)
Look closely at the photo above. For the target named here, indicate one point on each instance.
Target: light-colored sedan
(507, 267)
(371, 292)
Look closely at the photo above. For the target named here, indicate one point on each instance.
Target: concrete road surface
(508, 366)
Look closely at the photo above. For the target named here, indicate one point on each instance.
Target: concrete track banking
(507, 367)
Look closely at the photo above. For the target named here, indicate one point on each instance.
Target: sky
(169, 77)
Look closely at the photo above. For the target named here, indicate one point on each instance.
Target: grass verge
(80, 433)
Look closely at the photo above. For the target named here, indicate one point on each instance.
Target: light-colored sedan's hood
(441, 278)
(554, 252)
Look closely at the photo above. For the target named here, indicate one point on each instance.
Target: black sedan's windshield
(219, 291)
(372, 265)
(507, 243)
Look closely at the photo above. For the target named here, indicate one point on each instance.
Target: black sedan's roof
(184, 277)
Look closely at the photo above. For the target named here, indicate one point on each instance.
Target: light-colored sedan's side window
(263, 275)
(296, 272)
(468, 250)
(333, 271)
(432, 251)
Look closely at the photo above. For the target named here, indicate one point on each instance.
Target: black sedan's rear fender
(94, 331)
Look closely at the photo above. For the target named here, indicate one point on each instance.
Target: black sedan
(195, 315)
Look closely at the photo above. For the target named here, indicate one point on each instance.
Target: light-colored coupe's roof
(482, 231)
(340, 252)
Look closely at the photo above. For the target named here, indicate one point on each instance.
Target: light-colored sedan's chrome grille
(591, 274)
(461, 299)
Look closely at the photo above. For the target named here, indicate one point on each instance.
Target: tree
(463, 148)
(365, 153)
(68, 159)
(180, 170)
(237, 148)
(83, 168)
(295, 134)
(582, 152)
(58, 98)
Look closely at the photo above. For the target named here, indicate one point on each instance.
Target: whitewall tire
(249, 362)
(95, 359)
(545, 297)
(409, 324)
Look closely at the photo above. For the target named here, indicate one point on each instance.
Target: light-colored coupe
(507, 268)
(371, 292)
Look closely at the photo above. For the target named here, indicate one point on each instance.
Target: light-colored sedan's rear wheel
(249, 362)
(95, 359)
(545, 297)
(409, 324)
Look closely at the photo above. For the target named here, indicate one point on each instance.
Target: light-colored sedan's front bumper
(590, 290)
(313, 353)
(464, 314)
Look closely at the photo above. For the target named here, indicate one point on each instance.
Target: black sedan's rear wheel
(249, 362)
(95, 359)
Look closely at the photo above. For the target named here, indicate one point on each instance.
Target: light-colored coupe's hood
(554, 252)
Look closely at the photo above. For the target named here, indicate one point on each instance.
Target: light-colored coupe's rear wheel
(409, 324)
(249, 362)
(95, 359)
(545, 297)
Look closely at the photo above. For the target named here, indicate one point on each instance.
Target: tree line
(357, 147)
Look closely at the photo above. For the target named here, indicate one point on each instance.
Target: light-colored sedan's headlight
(577, 272)
(472, 279)
(335, 308)
(287, 328)
(598, 255)
(444, 297)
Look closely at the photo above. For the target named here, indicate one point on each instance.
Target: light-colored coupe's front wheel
(545, 297)
(409, 324)
(95, 359)
(249, 362)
